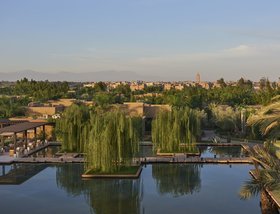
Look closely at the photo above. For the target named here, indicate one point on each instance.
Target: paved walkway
(183, 159)
(6, 159)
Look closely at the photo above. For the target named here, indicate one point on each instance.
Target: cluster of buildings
(51, 109)
(177, 85)
(141, 85)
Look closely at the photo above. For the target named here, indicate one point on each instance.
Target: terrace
(23, 139)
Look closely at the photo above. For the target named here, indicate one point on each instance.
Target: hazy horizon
(164, 39)
(104, 76)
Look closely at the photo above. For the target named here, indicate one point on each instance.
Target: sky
(164, 38)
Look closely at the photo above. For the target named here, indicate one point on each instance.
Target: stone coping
(130, 176)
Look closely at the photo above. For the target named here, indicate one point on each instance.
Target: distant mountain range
(77, 77)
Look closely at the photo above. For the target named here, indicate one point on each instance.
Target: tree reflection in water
(114, 196)
(177, 179)
(105, 196)
(227, 151)
(68, 177)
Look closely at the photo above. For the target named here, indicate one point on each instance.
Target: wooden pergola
(23, 128)
(7, 122)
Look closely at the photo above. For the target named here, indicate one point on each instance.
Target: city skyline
(161, 39)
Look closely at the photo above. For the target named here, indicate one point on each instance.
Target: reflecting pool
(161, 188)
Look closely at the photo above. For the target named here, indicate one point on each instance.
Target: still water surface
(206, 151)
(162, 188)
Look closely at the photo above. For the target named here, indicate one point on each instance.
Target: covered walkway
(23, 128)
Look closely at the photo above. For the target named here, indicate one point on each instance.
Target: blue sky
(170, 38)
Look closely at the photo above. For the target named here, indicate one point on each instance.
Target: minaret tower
(197, 78)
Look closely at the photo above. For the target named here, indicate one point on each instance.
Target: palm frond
(250, 188)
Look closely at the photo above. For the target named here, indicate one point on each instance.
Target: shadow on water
(178, 180)
(17, 173)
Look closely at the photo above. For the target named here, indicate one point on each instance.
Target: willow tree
(112, 141)
(72, 128)
(172, 128)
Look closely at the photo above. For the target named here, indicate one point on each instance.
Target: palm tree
(267, 120)
(266, 178)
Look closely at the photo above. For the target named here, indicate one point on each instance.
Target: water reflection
(114, 196)
(206, 151)
(103, 195)
(177, 179)
(222, 151)
(60, 189)
(68, 177)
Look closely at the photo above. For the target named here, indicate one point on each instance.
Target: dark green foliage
(103, 99)
(100, 86)
(40, 90)
(12, 107)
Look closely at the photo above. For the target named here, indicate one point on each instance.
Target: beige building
(45, 111)
(179, 87)
(64, 102)
(143, 110)
(167, 86)
(137, 87)
(205, 85)
(89, 85)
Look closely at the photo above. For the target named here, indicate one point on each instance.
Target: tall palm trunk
(267, 205)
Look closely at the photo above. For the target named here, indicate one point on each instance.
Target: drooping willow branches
(109, 138)
(112, 141)
(71, 129)
(170, 129)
